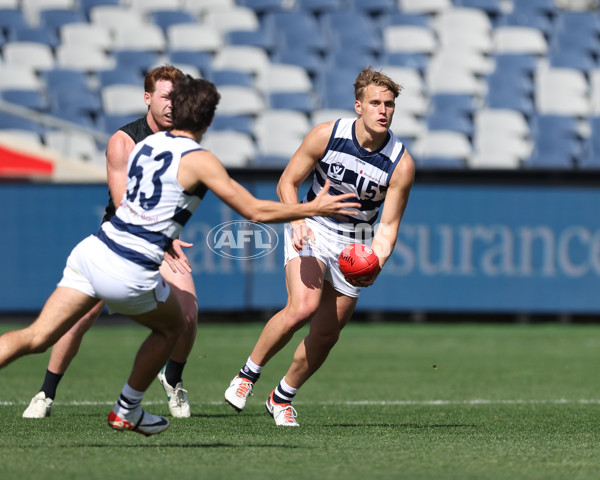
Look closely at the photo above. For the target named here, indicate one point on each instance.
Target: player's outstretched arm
(204, 167)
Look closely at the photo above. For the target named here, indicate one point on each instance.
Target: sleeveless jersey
(137, 130)
(155, 208)
(351, 168)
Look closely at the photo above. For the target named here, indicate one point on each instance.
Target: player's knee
(299, 313)
(328, 339)
(39, 343)
(190, 314)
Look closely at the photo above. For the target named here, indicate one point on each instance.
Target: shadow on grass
(192, 445)
(400, 425)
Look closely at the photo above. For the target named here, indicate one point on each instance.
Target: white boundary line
(478, 401)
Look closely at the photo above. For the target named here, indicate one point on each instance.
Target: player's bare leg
(61, 311)
(334, 312)
(68, 345)
(325, 328)
(166, 323)
(182, 285)
(63, 352)
(304, 280)
(170, 377)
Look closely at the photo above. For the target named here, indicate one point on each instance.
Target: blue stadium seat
(529, 18)
(44, 35)
(32, 99)
(265, 6)
(440, 163)
(546, 6)
(582, 21)
(510, 98)
(295, 29)
(201, 60)
(591, 157)
(10, 121)
(83, 119)
(352, 59)
(316, 7)
(81, 101)
(54, 18)
(418, 61)
(399, 17)
(341, 31)
(300, 101)
(501, 79)
(553, 156)
(165, 18)
(238, 123)
(308, 59)
(374, 7)
(491, 7)
(231, 77)
(111, 123)
(453, 121)
(65, 79)
(523, 63)
(453, 103)
(335, 88)
(576, 39)
(12, 19)
(119, 75)
(552, 147)
(560, 57)
(557, 126)
(255, 38)
(86, 5)
(142, 60)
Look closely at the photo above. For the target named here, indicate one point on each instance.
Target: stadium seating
(37, 56)
(461, 63)
(32, 99)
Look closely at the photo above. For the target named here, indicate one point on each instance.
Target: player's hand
(364, 282)
(176, 259)
(302, 235)
(336, 206)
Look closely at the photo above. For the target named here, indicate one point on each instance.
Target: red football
(358, 261)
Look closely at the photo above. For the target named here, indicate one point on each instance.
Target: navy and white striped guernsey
(352, 168)
(155, 207)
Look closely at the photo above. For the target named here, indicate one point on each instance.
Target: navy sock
(248, 374)
(173, 372)
(284, 393)
(51, 381)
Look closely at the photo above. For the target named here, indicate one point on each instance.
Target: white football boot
(179, 406)
(238, 392)
(39, 407)
(283, 413)
(140, 422)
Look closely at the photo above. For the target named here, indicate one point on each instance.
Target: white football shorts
(327, 248)
(127, 288)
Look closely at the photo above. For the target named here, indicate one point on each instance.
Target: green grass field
(405, 401)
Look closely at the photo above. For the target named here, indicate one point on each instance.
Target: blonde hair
(370, 77)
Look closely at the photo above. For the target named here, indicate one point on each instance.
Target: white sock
(129, 403)
(286, 388)
(284, 393)
(253, 366)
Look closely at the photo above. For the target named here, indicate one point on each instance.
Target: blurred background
(500, 109)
